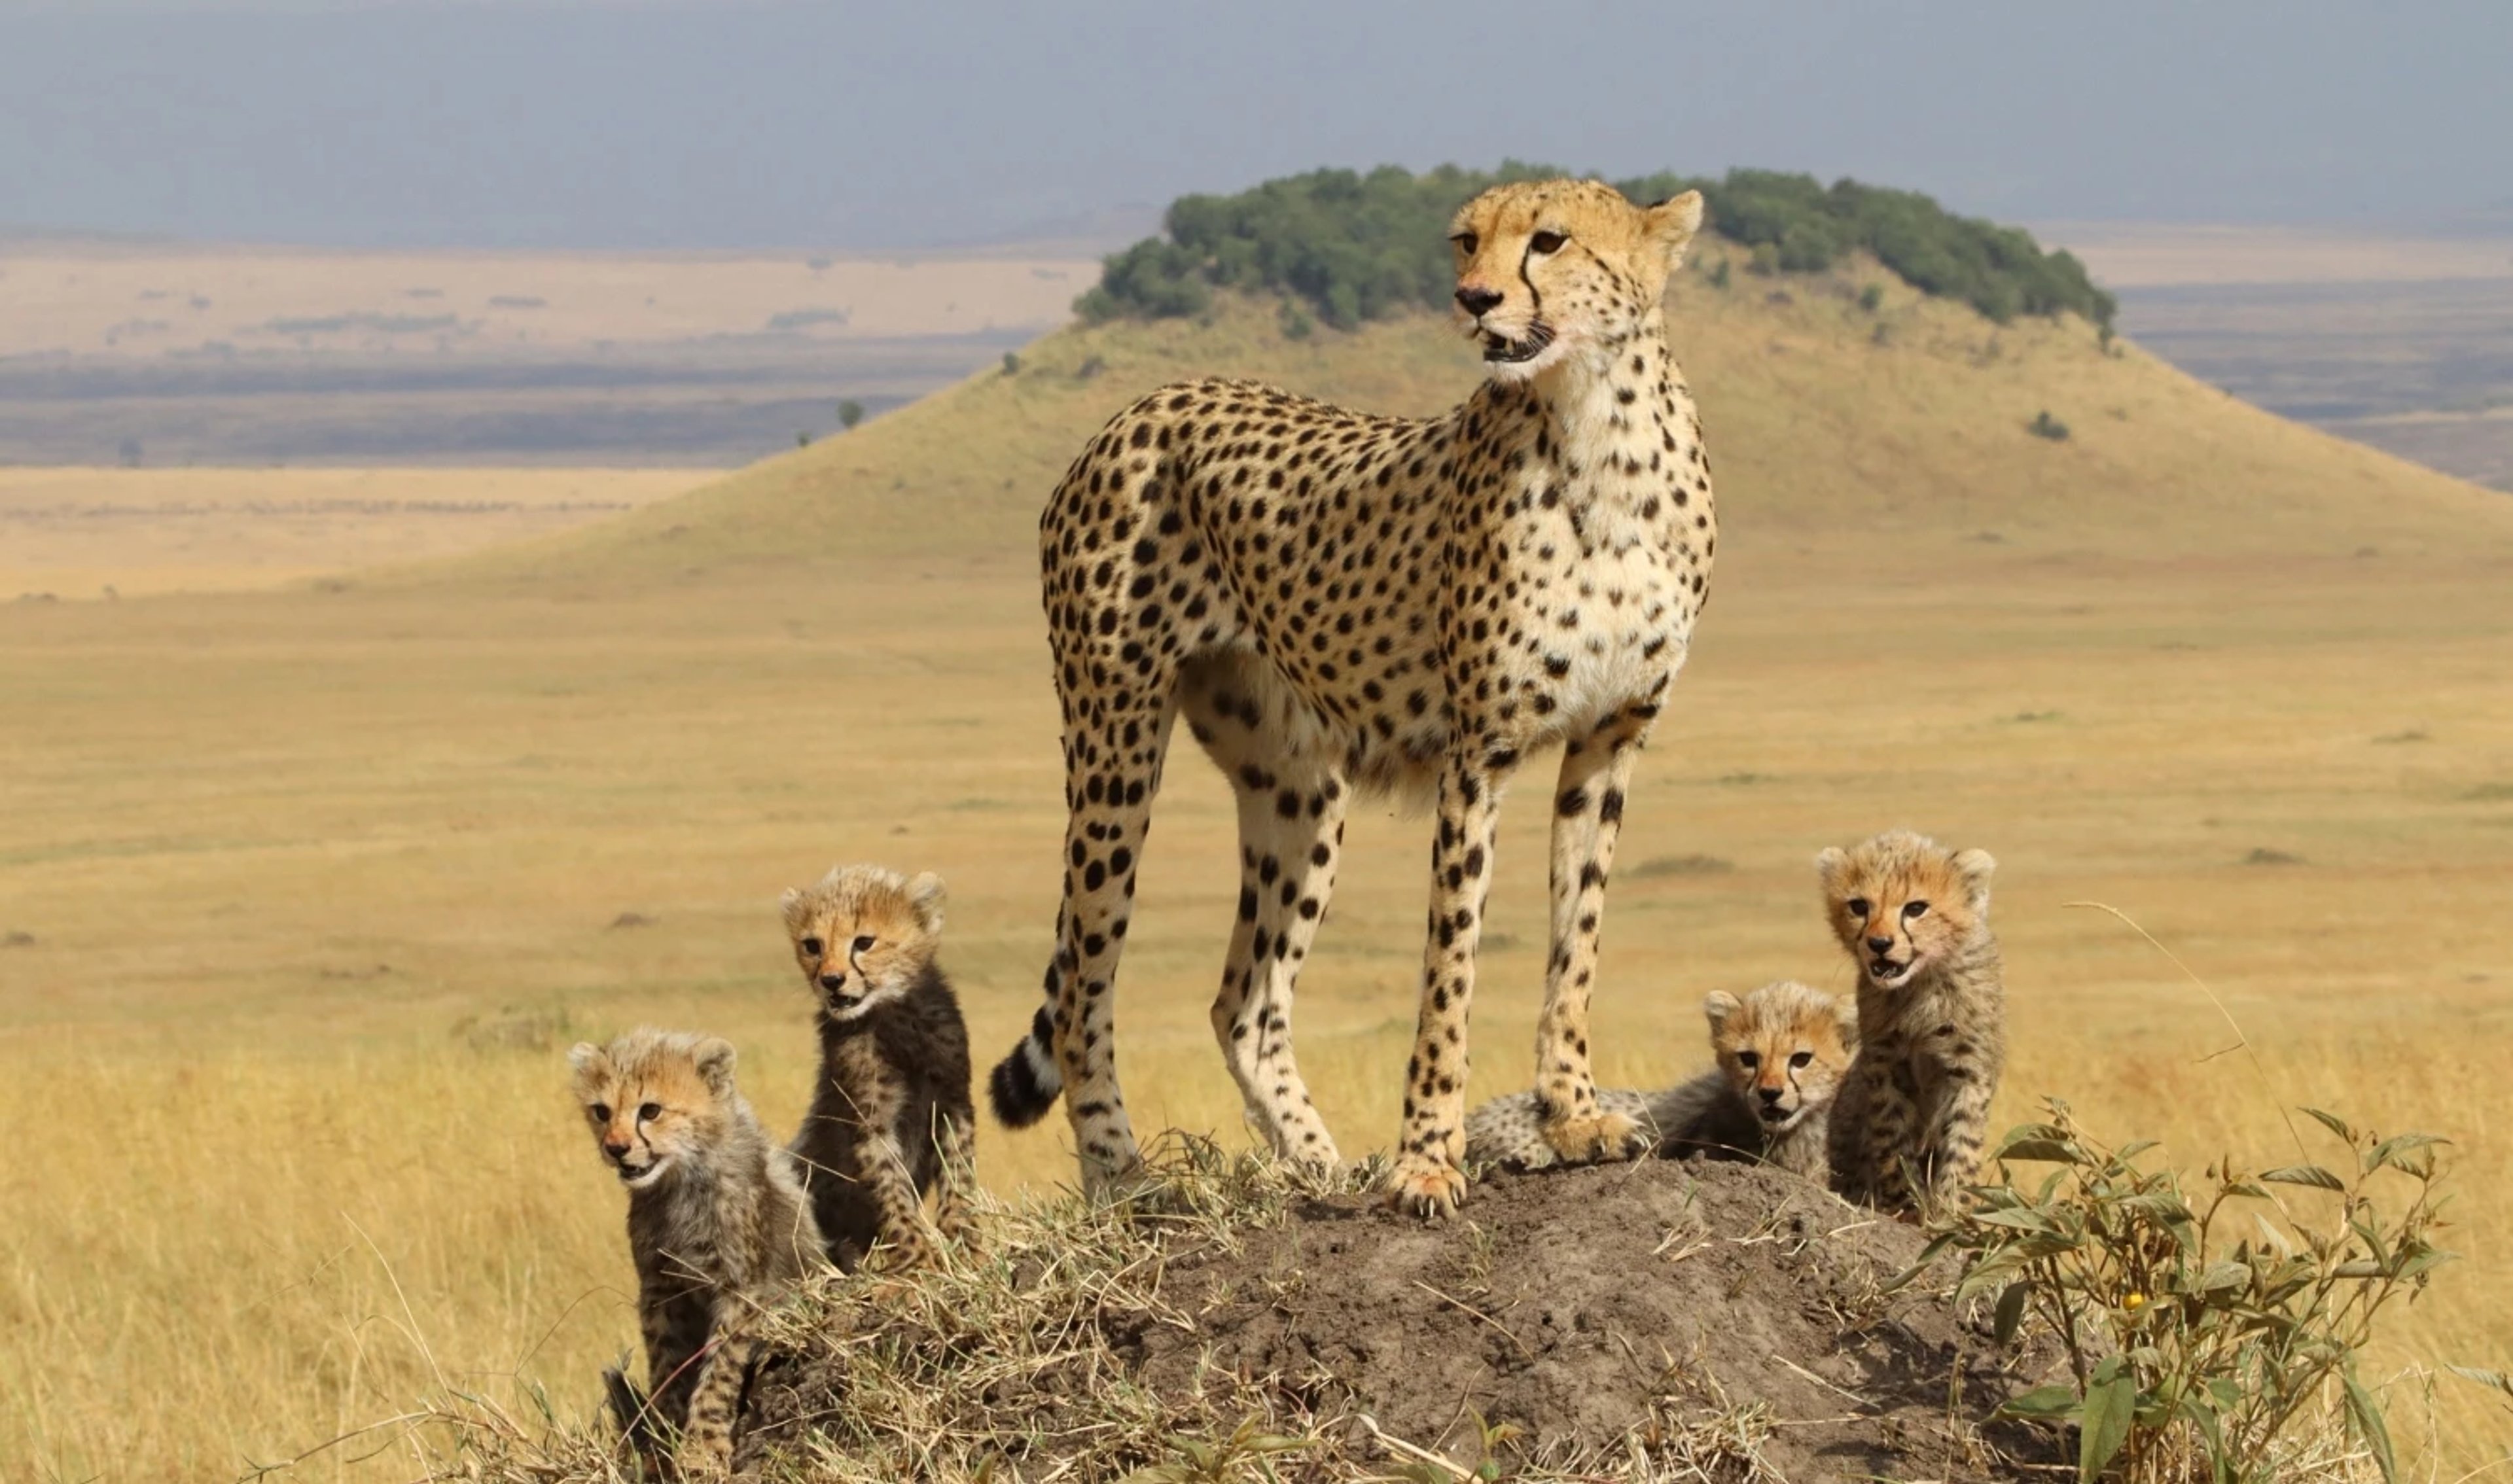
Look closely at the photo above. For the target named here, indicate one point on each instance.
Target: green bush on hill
(1358, 247)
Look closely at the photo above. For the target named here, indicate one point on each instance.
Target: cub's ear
(792, 899)
(1845, 1014)
(585, 1058)
(1717, 1006)
(1975, 867)
(714, 1056)
(1672, 223)
(1828, 863)
(925, 895)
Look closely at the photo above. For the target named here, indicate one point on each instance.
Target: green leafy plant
(2044, 426)
(1245, 1454)
(2211, 1335)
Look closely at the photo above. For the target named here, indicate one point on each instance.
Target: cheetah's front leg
(1428, 1179)
(957, 1179)
(1587, 820)
(705, 1450)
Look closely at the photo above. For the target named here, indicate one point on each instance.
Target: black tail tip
(1015, 1091)
(627, 1407)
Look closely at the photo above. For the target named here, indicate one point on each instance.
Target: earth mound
(1655, 1320)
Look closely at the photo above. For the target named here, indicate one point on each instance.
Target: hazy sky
(726, 124)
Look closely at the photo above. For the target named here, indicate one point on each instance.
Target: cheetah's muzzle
(1500, 351)
(1886, 973)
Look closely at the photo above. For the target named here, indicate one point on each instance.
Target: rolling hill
(1824, 416)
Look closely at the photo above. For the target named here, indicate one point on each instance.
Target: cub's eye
(601, 1112)
(1857, 906)
(647, 1112)
(863, 942)
(1748, 1059)
(1801, 1059)
(812, 947)
(1911, 909)
(1545, 242)
(1465, 242)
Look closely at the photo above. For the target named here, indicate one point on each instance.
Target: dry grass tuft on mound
(1235, 1318)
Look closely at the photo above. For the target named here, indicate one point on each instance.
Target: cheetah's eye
(647, 1112)
(1465, 242)
(1748, 1059)
(1911, 909)
(811, 946)
(1801, 1059)
(1547, 242)
(863, 942)
(601, 1112)
(1857, 906)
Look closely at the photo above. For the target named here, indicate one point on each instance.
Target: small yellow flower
(2133, 1304)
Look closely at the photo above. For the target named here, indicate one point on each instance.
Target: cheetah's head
(1553, 270)
(1901, 901)
(864, 935)
(654, 1098)
(1783, 1048)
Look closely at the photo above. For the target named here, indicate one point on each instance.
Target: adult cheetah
(1340, 601)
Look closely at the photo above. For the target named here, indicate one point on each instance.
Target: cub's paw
(1599, 1137)
(1428, 1186)
(704, 1457)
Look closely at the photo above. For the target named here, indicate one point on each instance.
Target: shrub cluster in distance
(1359, 247)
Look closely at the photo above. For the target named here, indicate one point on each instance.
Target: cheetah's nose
(1477, 300)
(1880, 946)
(833, 981)
(615, 1151)
(1770, 1093)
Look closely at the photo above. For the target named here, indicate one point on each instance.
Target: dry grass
(263, 854)
(74, 533)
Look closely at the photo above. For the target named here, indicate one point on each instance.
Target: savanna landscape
(306, 884)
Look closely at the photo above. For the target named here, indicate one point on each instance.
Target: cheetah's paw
(1428, 1186)
(1599, 1137)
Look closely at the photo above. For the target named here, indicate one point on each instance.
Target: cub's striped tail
(1024, 1085)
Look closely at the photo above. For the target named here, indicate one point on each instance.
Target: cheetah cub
(892, 1117)
(1781, 1052)
(1914, 1110)
(718, 1225)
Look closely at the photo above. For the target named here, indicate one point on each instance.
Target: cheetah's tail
(628, 1408)
(1024, 1085)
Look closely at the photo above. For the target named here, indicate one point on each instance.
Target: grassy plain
(176, 353)
(303, 892)
(75, 533)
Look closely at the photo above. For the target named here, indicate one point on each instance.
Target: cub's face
(1784, 1048)
(1548, 270)
(653, 1099)
(864, 935)
(1900, 901)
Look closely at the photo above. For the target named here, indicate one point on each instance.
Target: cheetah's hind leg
(1291, 834)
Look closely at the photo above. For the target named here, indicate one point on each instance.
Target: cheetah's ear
(584, 1059)
(785, 903)
(1717, 1006)
(714, 1058)
(925, 895)
(1671, 224)
(1828, 864)
(1975, 867)
(1844, 1015)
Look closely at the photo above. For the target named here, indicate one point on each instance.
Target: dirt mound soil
(1656, 1320)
